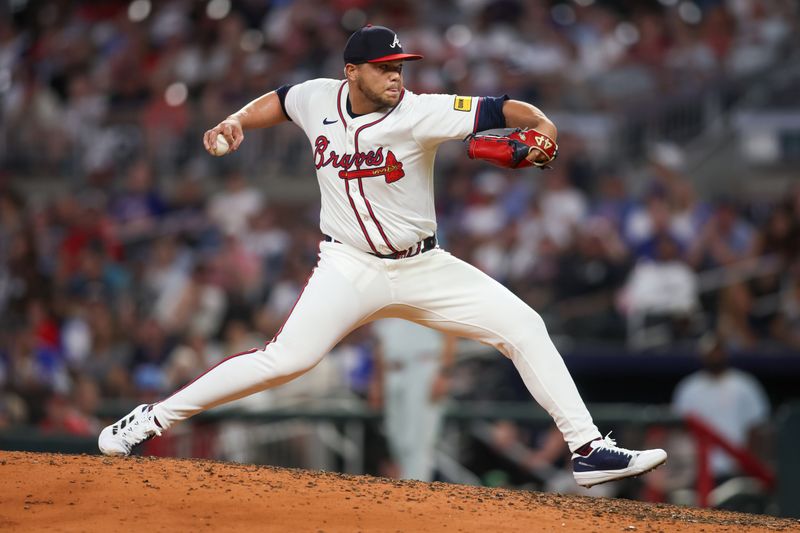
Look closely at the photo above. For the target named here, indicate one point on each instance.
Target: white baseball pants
(349, 288)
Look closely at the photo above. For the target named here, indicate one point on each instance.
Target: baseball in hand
(222, 146)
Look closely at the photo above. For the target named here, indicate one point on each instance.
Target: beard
(380, 100)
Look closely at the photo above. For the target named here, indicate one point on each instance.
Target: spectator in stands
(12, 219)
(780, 235)
(612, 201)
(232, 207)
(187, 360)
(137, 211)
(653, 44)
(787, 324)
(33, 111)
(85, 113)
(97, 278)
(776, 247)
(110, 352)
(78, 227)
(530, 229)
(662, 292)
(691, 59)
(563, 206)
(729, 401)
(199, 306)
(725, 239)
(187, 217)
(484, 215)
(267, 240)
(648, 223)
(688, 213)
(718, 31)
(599, 48)
(166, 274)
(164, 124)
(499, 255)
(237, 337)
(760, 32)
(238, 270)
(150, 351)
(74, 413)
(21, 275)
(13, 411)
(35, 370)
(737, 324)
(589, 274)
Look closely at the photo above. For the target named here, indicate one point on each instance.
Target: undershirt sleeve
(281, 92)
(490, 113)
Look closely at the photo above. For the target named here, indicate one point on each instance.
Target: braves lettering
(374, 159)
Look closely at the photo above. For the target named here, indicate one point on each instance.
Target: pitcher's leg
(328, 308)
(453, 296)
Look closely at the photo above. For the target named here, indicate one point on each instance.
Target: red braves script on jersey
(393, 170)
(397, 146)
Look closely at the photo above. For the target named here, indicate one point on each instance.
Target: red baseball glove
(511, 150)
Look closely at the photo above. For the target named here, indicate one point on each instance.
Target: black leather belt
(420, 248)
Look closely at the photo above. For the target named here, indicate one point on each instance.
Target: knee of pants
(285, 360)
(525, 330)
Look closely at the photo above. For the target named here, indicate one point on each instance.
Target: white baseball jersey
(376, 170)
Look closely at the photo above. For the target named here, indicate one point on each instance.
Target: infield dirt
(51, 492)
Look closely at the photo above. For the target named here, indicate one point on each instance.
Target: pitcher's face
(381, 82)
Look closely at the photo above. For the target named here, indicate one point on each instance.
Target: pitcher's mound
(90, 493)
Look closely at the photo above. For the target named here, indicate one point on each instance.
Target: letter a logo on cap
(396, 42)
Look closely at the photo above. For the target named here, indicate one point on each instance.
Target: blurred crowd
(154, 261)
(88, 86)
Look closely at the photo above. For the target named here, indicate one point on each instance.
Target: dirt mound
(79, 492)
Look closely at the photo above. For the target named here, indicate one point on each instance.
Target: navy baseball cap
(372, 44)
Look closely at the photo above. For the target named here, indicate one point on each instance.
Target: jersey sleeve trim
(477, 116)
(281, 92)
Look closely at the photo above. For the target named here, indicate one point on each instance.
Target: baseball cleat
(605, 462)
(131, 430)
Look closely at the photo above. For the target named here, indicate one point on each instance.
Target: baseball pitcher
(373, 143)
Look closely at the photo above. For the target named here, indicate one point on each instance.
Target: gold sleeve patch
(462, 103)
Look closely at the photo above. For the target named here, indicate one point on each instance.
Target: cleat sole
(589, 484)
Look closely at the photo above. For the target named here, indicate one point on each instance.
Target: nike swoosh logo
(326, 122)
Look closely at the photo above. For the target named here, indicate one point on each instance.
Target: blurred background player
(730, 401)
(410, 382)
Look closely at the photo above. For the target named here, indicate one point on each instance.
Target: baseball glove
(511, 150)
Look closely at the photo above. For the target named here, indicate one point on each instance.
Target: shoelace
(138, 431)
(611, 445)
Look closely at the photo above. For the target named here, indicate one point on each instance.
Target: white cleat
(606, 462)
(129, 431)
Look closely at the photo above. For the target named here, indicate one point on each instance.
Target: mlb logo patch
(462, 103)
